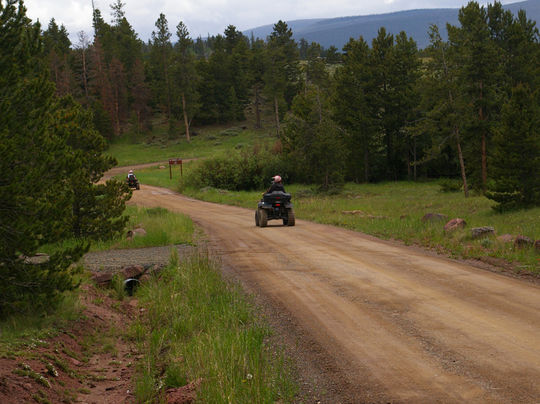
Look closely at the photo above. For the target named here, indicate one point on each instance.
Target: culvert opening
(130, 285)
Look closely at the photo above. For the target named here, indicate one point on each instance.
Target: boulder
(139, 232)
(483, 231)
(506, 238)
(38, 258)
(455, 224)
(162, 167)
(522, 242)
(353, 212)
(133, 271)
(434, 217)
(102, 278)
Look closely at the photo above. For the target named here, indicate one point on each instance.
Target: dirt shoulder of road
(86, 362)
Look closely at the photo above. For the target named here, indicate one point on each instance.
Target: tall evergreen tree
(443, 102)
(312, 140)
(160, 64)
(479, 75)
(354, 105)
(516, 155)
(382, 59)
(257, 68)
(281, 76)
(185, 75)
(36, 166)
(404, 76)
(57, 49)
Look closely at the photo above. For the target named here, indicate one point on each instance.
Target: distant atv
(133, 182)
(275, 206)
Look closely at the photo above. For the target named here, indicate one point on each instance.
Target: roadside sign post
(175, 162)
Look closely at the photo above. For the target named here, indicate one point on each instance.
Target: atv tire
(257, 217)
(263, 217)
(290, 218)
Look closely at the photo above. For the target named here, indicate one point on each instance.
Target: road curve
(408, 327)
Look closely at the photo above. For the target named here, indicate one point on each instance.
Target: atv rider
(277, 185)
(131, 176)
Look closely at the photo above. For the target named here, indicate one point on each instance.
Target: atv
(275, 206)
(133, 183)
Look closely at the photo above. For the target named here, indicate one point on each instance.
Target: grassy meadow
(206, 142)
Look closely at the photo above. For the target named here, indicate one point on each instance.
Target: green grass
(209, 141)
(162, 228)
(198, 327)
(30, 331)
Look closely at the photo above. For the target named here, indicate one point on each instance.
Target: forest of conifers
(466, 106)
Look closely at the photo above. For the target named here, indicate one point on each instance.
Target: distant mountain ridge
(337, 31)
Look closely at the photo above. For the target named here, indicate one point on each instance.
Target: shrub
(241, 170)
(450, 185)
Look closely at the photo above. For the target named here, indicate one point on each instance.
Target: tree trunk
(116, 115)
(186, 122)
(461, 163)
(484, 147)
(257, 109)
(414, 157)
(484, 163)
(366, 164)
(85, 74)
(276, 110)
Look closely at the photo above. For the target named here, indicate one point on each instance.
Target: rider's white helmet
(276, 178)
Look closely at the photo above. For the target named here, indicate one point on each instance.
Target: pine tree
(140, 95)
(57, 49)
(281, 75)
(313, 142)
(185, 75)
(382, 59)
(443, 102)
(160, 64)
(257, 68)
(404, 76)
(315, 69)
(516, 155)
(355, 108)
(479, 76)
(51, 157)
(34, 162)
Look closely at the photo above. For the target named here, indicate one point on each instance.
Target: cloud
(204, 17)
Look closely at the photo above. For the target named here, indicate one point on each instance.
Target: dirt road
(398, 325)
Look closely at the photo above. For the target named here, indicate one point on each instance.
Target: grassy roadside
(199, 330)
(194, 326)
(394, 211)
(161, 226)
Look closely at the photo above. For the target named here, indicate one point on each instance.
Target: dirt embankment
(87, 362)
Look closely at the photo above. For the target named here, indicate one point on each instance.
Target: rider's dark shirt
(276, 186)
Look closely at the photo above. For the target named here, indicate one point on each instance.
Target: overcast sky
(204, 17)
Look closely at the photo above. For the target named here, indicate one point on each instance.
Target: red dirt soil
(93, 365)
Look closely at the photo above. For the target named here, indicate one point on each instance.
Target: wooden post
(171, 163)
